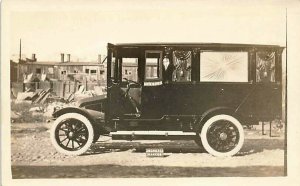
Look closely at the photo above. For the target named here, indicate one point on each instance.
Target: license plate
(155, 152)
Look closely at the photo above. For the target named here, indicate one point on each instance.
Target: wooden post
(18, 71)
(36, 85)
(86, 88)
(69, 86)
(24, 87)
(75, 85)
(270, 133)
(263, 128)
(63, 89)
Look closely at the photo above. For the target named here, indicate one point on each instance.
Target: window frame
(159, 78)
(50, 71)
(38, 69)
(248, 68)
(192, 70)
(136, 59)
(94, 71)
(276, 67)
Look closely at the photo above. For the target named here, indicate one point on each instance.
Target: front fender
(96, 118)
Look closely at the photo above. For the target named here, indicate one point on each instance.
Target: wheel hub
(223, 136)
(71, 134)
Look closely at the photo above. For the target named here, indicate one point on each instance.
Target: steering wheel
(131, 81)
(112, 84)
(129, 84)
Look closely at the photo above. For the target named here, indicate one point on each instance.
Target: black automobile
(200, 91)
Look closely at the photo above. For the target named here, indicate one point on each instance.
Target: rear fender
(214, 111)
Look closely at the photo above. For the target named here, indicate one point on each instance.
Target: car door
(268, 92)
(154, 94)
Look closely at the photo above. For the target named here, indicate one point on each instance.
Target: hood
(96, 100)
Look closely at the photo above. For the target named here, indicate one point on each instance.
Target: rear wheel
(222, 135)
(72, 134)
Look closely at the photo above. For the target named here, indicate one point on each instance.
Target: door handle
(221, 92)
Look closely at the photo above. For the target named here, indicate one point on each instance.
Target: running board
(152, 135)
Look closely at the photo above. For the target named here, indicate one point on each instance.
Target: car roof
(212, 45)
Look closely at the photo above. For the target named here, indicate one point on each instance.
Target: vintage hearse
(200, 91)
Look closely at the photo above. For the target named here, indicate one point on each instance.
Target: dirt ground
(33, 156)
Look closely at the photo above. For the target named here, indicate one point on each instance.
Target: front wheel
(72, 134)
(222, 135)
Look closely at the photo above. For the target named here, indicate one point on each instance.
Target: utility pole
(20, 51)
(20, 58)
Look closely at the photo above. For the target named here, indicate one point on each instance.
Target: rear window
(265, 67)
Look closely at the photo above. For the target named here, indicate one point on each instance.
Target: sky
(84, 29)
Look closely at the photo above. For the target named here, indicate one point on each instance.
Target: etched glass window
(224, 67)
(265, 67)
(182, 63)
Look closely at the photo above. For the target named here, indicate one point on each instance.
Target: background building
(58, 71)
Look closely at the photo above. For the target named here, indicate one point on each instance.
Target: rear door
(268, 93)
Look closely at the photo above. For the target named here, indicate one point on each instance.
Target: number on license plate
(155, 152)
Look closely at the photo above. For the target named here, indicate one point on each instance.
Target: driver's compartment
(131, 69)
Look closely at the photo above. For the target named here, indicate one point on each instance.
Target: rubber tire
(81, 118)
(206, 126)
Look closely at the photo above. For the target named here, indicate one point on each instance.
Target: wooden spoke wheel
(222, 135)
(72, 134)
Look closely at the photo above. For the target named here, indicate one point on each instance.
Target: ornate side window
(265, 66)
(224, 66)
(182, 66)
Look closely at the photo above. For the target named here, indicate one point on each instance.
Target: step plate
(152, 135)
(165, 133)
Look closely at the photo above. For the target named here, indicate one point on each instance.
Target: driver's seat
(134, 97)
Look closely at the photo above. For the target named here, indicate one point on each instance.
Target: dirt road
(34, 157)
